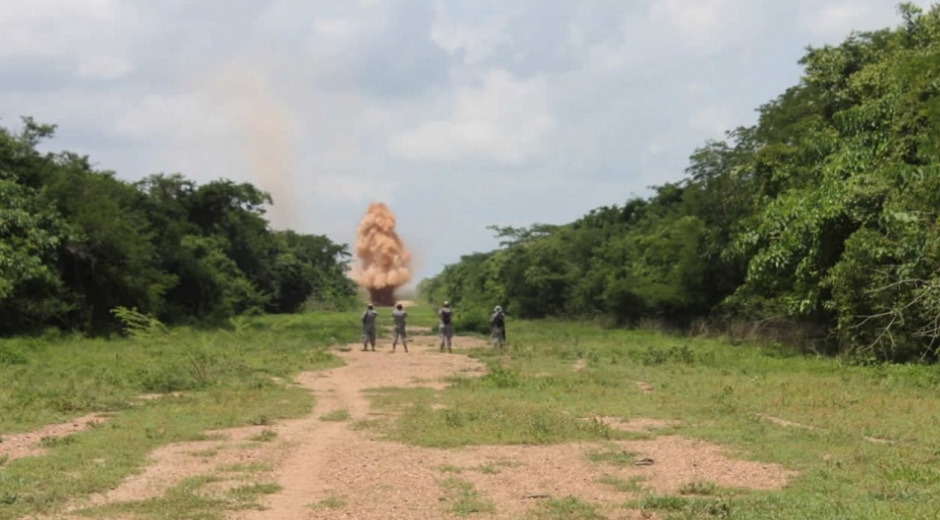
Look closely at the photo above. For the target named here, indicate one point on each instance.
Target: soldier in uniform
(498, 321)
(398, 320)
(368, 328)
(446, 316)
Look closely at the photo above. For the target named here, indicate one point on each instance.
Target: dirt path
(315, 444)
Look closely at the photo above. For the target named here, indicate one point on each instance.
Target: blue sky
(458, 114)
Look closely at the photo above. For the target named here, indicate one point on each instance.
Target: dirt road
(330, 460)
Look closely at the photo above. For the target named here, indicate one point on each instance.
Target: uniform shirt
(446, 311)
(398, 316)
(493, 319)
(368, 318)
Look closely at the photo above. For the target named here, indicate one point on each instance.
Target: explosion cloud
(384, 262)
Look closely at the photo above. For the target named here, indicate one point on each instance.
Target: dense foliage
(825, 213)
(76, 243)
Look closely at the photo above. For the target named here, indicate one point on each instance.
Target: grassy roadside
(865, 440)
(226, 379)
(866, 445)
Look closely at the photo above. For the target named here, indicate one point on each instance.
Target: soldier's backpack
(445, 317)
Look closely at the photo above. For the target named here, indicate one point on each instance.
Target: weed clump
(464, 499)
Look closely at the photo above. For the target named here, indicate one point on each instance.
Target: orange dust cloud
(384, 262)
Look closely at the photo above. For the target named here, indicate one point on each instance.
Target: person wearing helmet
(398, 320)
(498, 322)
(446, 316)
(368, 328)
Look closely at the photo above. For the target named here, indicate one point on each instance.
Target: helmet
(398, 306)
(498, 309)
(371, 306)
(446, 304)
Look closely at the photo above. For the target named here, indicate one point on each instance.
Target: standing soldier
(498, 321)
(447, 327)
(398, 319)
(368, 328)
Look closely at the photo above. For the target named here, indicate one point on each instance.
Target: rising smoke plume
(384, 262)
(245, 97)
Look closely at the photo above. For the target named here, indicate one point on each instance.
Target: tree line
(825, 215)
(76, 244)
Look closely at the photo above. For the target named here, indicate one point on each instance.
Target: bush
(12, 355)
(468, 322)
(473, 322)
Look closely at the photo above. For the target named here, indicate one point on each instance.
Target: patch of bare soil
(678, 460)
(419, 330)
(169, 465)
(640, 424)
(19, 445)
(579, 365)
(788, 424)
(388, 480)
(415, 330)
(644, 387)
(154, 397)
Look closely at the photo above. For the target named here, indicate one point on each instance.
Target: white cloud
(713, 119)
(175, 118)
(836, 19)
(105, 66)
(477, 41)
(697, 20)
(333, 28)
(504, 120)
(350, 189)
(705, 26)
(606, 58)
(91, 34)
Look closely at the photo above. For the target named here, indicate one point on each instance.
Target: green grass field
(873, 451)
